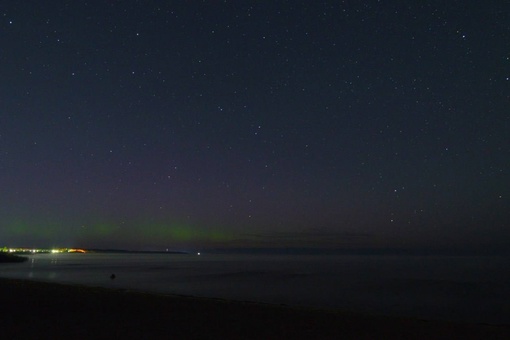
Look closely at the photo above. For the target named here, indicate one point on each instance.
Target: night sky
(210, 124)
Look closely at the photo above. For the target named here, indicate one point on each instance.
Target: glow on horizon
(42, 250)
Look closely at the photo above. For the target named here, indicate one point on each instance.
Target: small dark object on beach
(112, 276)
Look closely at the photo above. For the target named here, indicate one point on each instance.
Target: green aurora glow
(170, 233)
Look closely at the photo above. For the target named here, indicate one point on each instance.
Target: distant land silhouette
(10, 258)
(125, 251)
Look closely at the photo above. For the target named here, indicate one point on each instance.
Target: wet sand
(37, 310)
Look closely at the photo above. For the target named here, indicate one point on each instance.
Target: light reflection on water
(455, 288)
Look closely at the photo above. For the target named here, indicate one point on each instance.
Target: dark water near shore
(463, 288)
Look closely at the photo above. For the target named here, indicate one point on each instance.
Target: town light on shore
(41, 250)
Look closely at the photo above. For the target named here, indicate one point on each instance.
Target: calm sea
(475, 289)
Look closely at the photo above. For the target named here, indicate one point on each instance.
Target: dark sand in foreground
(35, 310)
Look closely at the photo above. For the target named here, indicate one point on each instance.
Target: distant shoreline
(280, 251)
(124, 251)
(26, 251)
(11, 258)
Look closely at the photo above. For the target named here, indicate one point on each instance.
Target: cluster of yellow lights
(35, 251)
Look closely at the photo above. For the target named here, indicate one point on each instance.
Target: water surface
(463, 288)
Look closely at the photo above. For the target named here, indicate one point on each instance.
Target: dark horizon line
(423, 251)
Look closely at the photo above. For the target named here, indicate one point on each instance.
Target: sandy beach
(38, 310)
